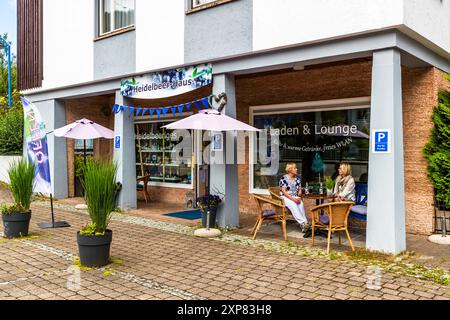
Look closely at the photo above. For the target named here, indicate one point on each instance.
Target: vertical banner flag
(36, 144)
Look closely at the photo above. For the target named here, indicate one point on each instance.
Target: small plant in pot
(16, 218)
(94, 240)
(209, 203)
(329, 185)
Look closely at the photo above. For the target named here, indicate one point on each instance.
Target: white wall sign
(167, 83)
(381, 141)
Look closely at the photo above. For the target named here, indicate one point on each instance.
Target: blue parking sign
(117, 142)
(381, 141)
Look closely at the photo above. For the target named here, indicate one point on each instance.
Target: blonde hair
(347, 168)
(290, 166)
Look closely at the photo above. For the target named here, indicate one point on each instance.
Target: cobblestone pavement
(159, 260)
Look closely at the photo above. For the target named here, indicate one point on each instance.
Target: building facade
(324, 77)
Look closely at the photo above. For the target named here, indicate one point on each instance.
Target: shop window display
(159, 156)
(316, 141)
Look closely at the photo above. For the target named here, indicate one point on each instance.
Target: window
(79, 147)
(196, 3)
(317, 141)
(116, 14)
(158, 154)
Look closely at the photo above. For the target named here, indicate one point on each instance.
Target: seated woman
(290, 190)
(344, 189)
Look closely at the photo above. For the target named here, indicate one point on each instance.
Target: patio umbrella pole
(84, 152)
(53, 224)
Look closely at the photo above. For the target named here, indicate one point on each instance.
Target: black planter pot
(16, 224)
(94, 250)
(212, 217)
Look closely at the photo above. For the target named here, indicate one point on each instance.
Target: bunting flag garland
(199, 105)
(205, 102)
(141, 111)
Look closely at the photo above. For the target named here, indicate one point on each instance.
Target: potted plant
(209, 203)
(94, 240)
(329, 185)
(16, 218)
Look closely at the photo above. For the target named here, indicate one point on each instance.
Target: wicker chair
(143, 187)
(276, 213)
(337, 213)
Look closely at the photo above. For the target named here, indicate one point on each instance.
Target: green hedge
(11, 131)
(437, 151)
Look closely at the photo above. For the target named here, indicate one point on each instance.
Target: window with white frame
(115, 14)
(196, 3)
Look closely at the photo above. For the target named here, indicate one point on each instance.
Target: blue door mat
(190, 215)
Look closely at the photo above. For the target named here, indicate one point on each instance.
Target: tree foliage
(11, 119)
(437, 150)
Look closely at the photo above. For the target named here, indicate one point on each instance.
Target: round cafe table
(320, 198)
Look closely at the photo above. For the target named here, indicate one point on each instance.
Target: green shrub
(99, 183)
(21, 176)
(437, 150)
(11, 131)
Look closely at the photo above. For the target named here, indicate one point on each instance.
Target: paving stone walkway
(159, 260)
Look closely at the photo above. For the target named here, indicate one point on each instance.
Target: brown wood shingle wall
(30, 44)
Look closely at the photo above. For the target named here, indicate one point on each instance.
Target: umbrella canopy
(211, 120)
(84, 129)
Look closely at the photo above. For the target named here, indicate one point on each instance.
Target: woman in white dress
(290, 191)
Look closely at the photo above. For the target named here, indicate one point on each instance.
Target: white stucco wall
(68, 42)
(5, 162)
(287, 22)
(430, 19)
(159, 34)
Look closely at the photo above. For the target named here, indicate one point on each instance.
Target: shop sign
(167, 83)
(217, 142)
(381, 141)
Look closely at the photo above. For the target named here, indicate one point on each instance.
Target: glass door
(202, 165)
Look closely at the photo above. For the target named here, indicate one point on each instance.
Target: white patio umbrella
(210, 120)
(84, 129)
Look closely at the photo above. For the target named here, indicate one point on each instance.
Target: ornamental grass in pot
(94, 240)
(16, 217)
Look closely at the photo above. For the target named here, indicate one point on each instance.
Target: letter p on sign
(381, 141)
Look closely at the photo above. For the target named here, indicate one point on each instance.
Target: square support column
(54, 115)
(224, 176)
(386, 190)
(125, 155)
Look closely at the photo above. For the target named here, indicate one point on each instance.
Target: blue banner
(37, 149)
